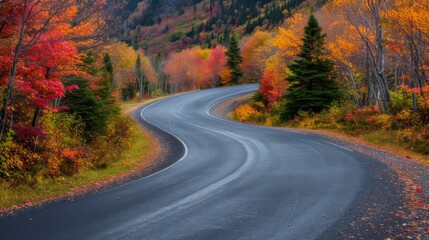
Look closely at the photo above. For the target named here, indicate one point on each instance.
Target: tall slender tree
(312, 83)
(140, 77)
(234, 61)
(107, 73)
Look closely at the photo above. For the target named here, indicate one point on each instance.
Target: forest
(166, 26)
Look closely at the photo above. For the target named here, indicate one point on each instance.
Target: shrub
(401, 101)
(258, 97)
(406, 118)
(362, 119)
(64, 150)
(17, 164)
(273, 117)
(109, 147)
(415, 139)
(246, 112)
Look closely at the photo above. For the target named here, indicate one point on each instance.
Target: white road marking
(208, 112)
(336, 145)
(185, 154)
(254, 150)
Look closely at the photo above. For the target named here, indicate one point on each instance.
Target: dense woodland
(63, 72)
(165, 26)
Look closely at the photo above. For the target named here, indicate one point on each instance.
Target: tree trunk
(141, 87)
(36, 117)
(165, 85)
(379, 67)
(368, 77)
(354, 87)
(8, 93)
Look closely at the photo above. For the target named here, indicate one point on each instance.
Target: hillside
(168, 25)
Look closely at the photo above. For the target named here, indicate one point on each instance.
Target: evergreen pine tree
(234, 61)
(85, 104)
(312, 85)
(107, 86)
(107, 74)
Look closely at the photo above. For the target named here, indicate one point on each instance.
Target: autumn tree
(44, 56)
(123, 58)
(367, 19)
(257, 48)
(150, 74)
(234, 61)
(273, 86)
(195, 68)
(408, 21)
(39, 45)
(175, 71)
(42, 48)
(288, 39)
(312, 82)
(216, 64)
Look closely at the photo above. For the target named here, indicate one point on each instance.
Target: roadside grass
(135, 158)
(388, 140)
(132, 104)
(380, 139)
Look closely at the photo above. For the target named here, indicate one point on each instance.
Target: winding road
(230, 181)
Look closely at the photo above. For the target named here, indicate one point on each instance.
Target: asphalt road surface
(229, 181)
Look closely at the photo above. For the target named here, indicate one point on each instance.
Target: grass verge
(140, 156)
(382, 139)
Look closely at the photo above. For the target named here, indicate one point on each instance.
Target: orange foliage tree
(289, 39)
(409, 29)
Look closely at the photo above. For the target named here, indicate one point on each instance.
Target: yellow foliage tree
(288, 39)
(123, 60)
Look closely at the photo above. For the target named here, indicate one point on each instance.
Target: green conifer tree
(234, 61)
(312, 83)
(107, 75)
(85, 104)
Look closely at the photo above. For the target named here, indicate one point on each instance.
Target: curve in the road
(226, 180)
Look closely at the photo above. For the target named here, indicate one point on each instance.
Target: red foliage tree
(195, 68)
(273, 86)
(38, 46)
